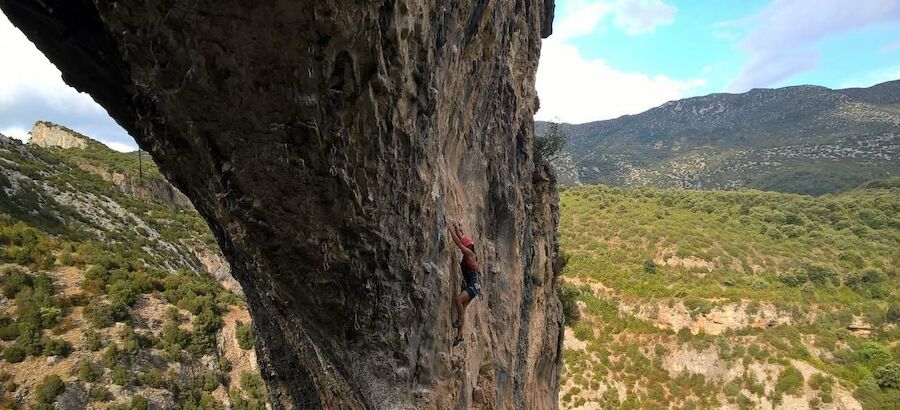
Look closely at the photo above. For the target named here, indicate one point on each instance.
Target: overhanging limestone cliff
(326, 143)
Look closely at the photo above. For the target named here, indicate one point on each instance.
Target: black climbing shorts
(473, 288)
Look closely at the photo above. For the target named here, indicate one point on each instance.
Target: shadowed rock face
(327, 143)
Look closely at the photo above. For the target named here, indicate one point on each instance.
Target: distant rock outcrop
(45, 134)
(327, 143)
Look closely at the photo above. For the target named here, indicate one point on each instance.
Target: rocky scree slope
(803, 139)
(326, 144)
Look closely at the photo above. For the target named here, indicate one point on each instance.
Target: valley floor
(739, 300)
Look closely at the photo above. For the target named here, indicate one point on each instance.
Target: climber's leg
(460, 301)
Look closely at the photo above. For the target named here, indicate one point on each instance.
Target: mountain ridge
(800, 139)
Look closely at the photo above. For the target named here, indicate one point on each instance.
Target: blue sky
(606, 58)
(613, 57)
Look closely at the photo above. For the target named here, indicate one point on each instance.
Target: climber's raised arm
(457, 239)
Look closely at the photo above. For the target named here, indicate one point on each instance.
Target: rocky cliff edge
(327, 143)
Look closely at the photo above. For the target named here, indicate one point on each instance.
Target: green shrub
(100, 393)
(9, 330)
(173, 335)
(892, 315)
(67, 259)
(239, 402)
(210, 380)
(99, 314)
(568, 295)
(253, 385)
(731, 389)
(131, 341)
(816, 381)
(793, 278)
(173, 314)
(790, 381)
(208, 402)
(92, 340)
(203, 336)
(153, 378)
(698, 306)
(866, 282)
(650, 267)
(138, 402)
(684, 335)
(120, 376)
(57, 347)
(14, 354)
(50, 387)
(225, 365)
(123, 292)
(30, 338)
(110, 356)
(583, 332)
(50, 316)
(888, 376)
(14, 279)
(244, 335)
(867, 387)
(88, 371)
(873, 354)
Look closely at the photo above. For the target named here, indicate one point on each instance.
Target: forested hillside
(107, 299)
(739, 299)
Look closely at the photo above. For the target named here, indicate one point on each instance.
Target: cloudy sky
(606, 58)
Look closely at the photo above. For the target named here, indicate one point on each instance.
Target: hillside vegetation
(803, 139)
(106, 301)
(748, 299)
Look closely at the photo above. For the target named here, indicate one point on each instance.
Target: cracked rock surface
(327, 143)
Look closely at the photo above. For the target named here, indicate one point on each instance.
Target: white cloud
(119, 146)
(574, 89)
(634, 17)
(32, 89)
(16, 132)
(583, 21)
(784, 35)
(26, 71)
(642, 16)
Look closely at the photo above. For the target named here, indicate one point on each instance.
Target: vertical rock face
(327, 143)
(45, 134)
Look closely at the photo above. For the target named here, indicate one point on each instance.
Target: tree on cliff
(548, 146)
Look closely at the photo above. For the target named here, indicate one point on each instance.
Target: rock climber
(471, 285)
